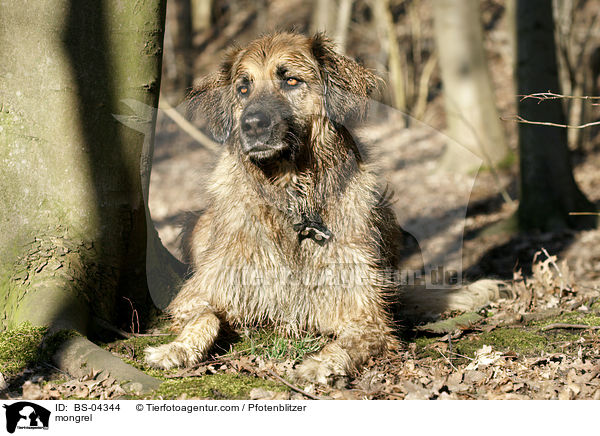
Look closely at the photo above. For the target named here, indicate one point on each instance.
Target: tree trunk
(548, 189)
(324, 16)
(471, 113)
(74, 229)
(180, 31)
(201, 13)
(397, 71)
(341, 31)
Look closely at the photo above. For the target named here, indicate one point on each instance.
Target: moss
(570, 318)
(20, 348)
(424, 347)
(131, 351)
(258, 342)
(218, 386)
(520, 341)
(26, 346)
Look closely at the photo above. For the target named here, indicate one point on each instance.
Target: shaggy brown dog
(296, 234)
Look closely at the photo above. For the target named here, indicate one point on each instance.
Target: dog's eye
(291, 82)
(243, 90)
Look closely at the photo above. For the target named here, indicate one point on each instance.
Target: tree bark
(548, 190)
(74, 228)
(471, 113)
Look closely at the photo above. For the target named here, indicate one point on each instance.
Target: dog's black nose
(255, 124)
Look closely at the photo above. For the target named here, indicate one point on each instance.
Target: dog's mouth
(280, 144)
(263, 153)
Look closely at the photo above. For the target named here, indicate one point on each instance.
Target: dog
(296, 234)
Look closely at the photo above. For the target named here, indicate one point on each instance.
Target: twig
(135, 319)
(449, 361)
(519, 119)
(106, 325)
(463, 356)
(541, 96)
(186, 126)
(55, 368)
(291, 386)
(584, 213)
(393, 394)
(559, 325)
(553, 263)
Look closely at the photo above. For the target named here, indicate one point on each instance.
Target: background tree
(332, 17)
(75, 235)
(548, 190)
(323, 16)
(397, 68)
(201, 15)
(471, 114)
(184, 17)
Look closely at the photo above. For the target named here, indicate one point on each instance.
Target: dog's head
(268, 95)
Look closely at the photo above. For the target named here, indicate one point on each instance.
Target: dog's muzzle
(263, 130)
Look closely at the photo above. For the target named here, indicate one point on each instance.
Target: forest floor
(542, 343)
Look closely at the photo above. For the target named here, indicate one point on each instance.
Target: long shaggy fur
(250, 267)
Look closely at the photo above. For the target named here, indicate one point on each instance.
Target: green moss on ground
(20, 348)
(504, 339)
(592, 319)
(259, 342)
(26, 346)
(424, 347)
(131, 351)
(521, 341)
(527, 340)
(217, 386)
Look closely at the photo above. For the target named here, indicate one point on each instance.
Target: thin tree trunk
(548, 189)
(74, 229)
(201, 11)
(341, 32)
(323, 17)
(397, 70)
(469, 99)
(180, 28)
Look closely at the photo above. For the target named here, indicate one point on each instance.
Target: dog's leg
(350, 350)
(190, 347)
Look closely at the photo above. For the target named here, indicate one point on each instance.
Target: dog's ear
(210, 99)
(348, 84)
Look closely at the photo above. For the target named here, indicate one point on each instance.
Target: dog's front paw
(171, 355)
(322, 371)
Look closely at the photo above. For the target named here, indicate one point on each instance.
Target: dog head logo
(26, 415)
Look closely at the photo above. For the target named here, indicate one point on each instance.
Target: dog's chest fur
(251, 268)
